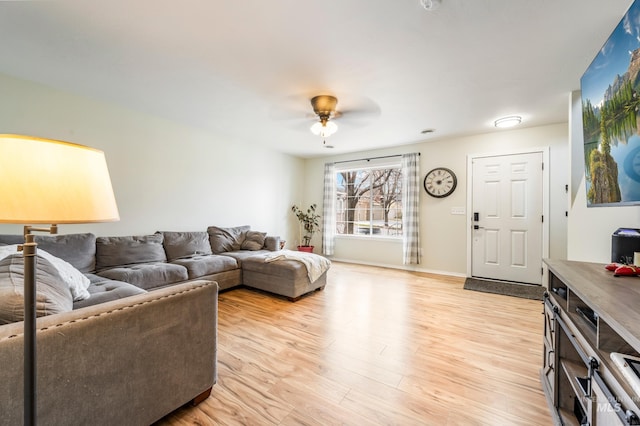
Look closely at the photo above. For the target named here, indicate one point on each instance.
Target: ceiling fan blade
(352, 111)
(359, 106)
(358, 117)
(292, 107)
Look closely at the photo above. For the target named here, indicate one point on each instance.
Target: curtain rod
(369, 159)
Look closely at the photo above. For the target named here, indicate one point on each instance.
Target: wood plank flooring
(376, 347)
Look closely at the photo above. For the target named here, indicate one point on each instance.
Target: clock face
(440, 182)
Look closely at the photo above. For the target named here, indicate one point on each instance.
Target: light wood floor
(376, 347)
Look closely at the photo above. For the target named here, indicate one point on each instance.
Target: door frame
(545, 202)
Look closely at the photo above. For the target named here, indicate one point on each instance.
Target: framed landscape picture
(610, 104)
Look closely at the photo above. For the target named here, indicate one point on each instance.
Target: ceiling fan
(355, 111)
(359, 112)
(324, 106)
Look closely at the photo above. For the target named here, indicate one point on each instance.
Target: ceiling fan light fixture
(510, 121)
(430, 4)
(325, 129)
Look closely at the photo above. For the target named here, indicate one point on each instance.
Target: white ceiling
(246, 69)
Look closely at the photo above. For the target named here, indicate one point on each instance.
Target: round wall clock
(440, 182)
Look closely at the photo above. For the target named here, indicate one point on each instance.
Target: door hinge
(542, 166)
(541, 271)
(542, 218)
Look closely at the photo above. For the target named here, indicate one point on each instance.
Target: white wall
(443, 235)
(589, 229)
(165, 176)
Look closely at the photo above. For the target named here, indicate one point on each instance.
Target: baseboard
(525, 291)
(412, 268)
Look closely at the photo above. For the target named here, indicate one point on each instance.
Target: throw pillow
(9, 239)
(253, 240)
(121, 251)
(77, 249)
(75, 280)
(226, 239)
(8, 250)
(180, 245)
(52, 293)
(272, 243)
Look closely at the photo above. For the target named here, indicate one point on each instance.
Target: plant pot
(308, 249)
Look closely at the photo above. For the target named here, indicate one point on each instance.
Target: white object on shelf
(629, 366)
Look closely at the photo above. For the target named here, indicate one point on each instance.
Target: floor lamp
(44, 181)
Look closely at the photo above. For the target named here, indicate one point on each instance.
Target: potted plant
(309, 223)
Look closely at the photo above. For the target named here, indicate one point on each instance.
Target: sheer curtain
(410, 209)
(329, 209)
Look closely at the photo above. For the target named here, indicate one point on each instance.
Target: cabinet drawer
(604, 413)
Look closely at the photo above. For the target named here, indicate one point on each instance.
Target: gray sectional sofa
(144, 341)
(124, 362)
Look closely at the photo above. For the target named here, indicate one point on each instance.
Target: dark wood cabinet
(588, 314)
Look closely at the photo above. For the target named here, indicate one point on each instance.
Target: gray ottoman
(284, 277)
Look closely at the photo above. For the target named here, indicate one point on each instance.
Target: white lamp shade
(325, 130)
(48, 181)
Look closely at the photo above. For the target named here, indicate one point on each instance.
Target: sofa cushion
(52, 293)
(147, 275)
(10, 239)
(77, 249)
(280, 268)
(185, 244)
(74, 279)
(121, 251)
(226, 239)
(105, 290)
(199, 266)
(253, 240)
(241, 255)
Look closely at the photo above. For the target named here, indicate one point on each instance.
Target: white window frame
(374, 164)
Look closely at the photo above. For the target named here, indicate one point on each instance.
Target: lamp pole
(30, 255)
(29, 252)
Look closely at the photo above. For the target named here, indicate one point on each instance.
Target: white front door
(507, 217)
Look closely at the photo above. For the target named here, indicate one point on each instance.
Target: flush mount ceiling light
(510, 121)
(430, 4)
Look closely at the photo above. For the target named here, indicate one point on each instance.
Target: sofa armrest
(272, 243)
(128, 361)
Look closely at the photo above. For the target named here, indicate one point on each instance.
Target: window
(369, 201)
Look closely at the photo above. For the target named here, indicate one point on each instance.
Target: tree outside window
(369, 202)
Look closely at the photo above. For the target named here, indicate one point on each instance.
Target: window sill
(369, 238)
